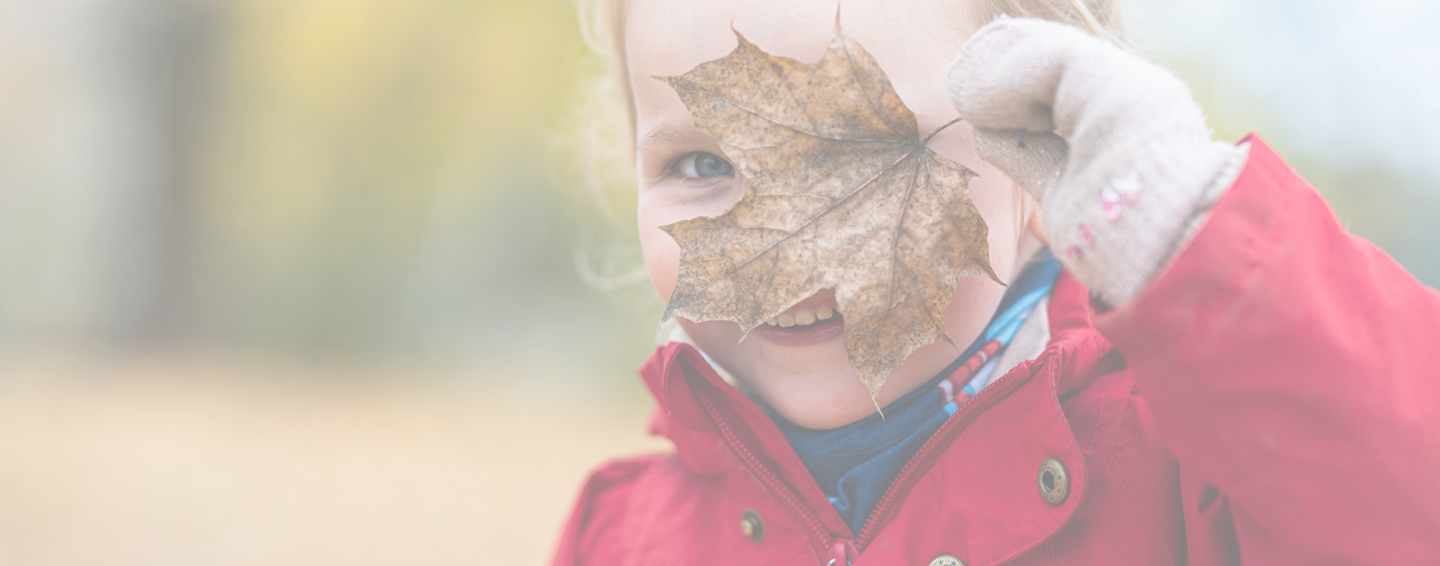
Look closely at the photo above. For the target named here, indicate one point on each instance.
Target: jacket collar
(678, 376)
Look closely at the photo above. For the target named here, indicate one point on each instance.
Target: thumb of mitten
(1034, 160)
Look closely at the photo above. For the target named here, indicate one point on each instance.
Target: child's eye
(701, 165)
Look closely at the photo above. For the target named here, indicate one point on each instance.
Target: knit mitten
(1113, 146)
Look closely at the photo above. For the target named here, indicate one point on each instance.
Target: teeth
(803, 317)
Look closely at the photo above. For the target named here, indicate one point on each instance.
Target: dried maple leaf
(840, 193)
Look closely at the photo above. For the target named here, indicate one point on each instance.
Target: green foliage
(377, 181)
(1387, 206)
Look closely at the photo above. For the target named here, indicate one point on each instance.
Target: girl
(1220, 374)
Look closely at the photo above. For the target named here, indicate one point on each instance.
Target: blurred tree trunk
(102, 111)
(185, 61)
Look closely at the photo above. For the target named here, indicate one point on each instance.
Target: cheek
(993, 194)
(662, 254)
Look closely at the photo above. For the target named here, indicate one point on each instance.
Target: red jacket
(1272, 398)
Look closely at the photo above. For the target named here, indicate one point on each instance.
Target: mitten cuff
(1137, 249)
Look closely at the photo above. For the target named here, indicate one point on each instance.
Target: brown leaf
(840, 193)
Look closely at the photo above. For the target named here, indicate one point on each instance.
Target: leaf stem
(937, 130)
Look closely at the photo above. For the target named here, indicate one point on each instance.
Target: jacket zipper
(768, 479)
(913, 469)
(902, 482)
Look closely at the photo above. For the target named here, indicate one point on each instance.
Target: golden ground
(189, 463)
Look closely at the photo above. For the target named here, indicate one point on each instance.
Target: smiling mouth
(815, 320)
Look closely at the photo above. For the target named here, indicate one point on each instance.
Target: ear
(1036, 221)
(1030, 210)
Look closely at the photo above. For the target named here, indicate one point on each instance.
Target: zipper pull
(843, 552)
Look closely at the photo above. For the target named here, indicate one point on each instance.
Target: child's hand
(1112, 145)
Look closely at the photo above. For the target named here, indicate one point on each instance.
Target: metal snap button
(946, 560)
(1053, 481)
(751, 525)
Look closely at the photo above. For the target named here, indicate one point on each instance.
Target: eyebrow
(667, 133)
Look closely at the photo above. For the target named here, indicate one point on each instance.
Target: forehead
(912, 40)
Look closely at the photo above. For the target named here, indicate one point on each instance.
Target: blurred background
(326, 282)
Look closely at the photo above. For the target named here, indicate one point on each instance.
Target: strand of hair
(1087, 17)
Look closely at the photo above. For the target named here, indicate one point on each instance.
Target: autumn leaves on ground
(198, 462)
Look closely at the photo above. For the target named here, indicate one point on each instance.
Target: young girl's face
(684, 174)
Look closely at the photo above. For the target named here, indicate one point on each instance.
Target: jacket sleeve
(1296, 369)
(601, 506)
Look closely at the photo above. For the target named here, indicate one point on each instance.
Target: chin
(820, 399)
(797, 363)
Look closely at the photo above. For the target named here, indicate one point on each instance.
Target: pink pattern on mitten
(1119, 193)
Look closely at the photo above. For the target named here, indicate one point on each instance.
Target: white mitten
(1113, 146)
